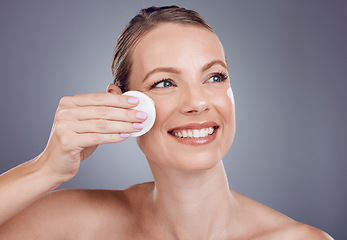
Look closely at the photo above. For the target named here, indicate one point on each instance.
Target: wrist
(40, 166)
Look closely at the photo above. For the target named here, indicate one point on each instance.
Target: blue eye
(219, 77)
(214, 78)
(162, 84)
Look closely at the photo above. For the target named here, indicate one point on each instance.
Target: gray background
(288, 73)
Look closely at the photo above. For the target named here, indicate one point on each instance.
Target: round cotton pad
(146, 105)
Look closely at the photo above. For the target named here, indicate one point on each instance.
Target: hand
(82, 122)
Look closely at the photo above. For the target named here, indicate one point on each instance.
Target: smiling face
(183, 69)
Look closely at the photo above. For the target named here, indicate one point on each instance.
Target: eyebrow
(209, 65)
(177, 71)
(162, 69)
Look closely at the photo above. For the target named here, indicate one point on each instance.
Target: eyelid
(222, 74)
(162, 80)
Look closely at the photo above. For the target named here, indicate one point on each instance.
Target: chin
(185, 160)
(197, 161)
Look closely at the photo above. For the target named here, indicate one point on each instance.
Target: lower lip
(197, 141)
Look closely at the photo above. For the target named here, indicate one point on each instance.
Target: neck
(191, 205)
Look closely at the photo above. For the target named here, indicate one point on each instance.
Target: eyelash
(160, 81)
(223, 76)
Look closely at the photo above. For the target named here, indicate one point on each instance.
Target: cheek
(164, 105)
(225, 108)
(150, 142)
(222, 103)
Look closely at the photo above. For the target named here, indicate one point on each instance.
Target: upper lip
(195, 126)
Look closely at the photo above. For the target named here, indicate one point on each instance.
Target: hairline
(152, 28)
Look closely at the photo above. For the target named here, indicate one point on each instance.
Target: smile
(193, 133)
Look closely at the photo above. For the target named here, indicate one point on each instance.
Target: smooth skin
(190, 198)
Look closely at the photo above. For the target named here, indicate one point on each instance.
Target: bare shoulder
(303, 231)
(297, 231)
(69, 214)
(268, 223)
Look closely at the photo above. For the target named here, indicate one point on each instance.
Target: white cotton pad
(231, 95)
(146, 105)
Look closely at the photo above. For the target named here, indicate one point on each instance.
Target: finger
(101, 112)
(99, 99)
(92, 139)
(104, 126)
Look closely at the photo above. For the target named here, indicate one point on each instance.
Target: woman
(174, 57)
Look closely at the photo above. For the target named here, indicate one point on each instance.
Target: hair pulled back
(141, 24)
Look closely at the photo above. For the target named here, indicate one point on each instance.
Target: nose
(194, 101)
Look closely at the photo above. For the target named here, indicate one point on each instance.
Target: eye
(215, 78)
(162, 84)
(218, 77)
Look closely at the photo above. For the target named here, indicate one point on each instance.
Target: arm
(70, 214)
(22, 186)
(82, 122)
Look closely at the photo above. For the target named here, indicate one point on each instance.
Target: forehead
(176, 45)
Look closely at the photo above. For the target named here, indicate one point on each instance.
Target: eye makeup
(221, 75)
(167, 82)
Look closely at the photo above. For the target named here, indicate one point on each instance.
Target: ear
(112, 88)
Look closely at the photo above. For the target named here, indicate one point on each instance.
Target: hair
(142, 23)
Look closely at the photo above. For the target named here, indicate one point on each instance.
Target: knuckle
(66, 144)
(101, 124)
(61, 114)
(98, 97)
(128, 127)
(96, 138)
(64, 101)
(63, 136)
(64, 141)
(67, 141)
(102, 111)
(61, 127)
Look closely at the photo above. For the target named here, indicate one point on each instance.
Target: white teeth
(194, 133)
(184, 134)
(203, 132)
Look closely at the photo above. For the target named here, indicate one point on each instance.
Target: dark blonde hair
(142, 23)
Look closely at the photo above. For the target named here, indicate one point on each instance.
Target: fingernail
(124, 135)
(133, 100)
(141, 115)
(138, 125)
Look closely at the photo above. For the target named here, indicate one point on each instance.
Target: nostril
(198, 110)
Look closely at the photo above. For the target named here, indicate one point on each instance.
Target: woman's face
(183, 69)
